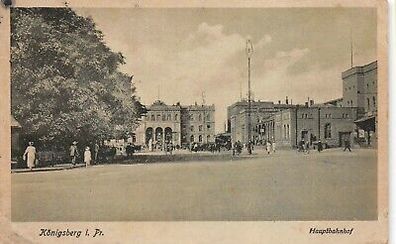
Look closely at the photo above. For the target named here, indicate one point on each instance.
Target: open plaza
(286, 185)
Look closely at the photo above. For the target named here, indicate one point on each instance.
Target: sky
(178, 54)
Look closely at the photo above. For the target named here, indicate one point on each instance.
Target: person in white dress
(87, 157)
(268, 147)
(273, 146)
(30, 155)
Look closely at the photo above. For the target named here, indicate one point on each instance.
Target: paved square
(332, 185)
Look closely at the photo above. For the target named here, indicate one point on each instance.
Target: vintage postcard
(194, 122)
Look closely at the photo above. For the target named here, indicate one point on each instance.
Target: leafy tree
(66, 83)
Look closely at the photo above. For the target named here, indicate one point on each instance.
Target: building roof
(360, 69)
(15, 123)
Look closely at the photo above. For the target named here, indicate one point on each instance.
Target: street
(332, 185)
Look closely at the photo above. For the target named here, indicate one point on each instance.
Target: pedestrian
(347, 145)
(302, 144)
(273, 146)
(307, 147)
(268, 147)
(87, 157)
(249, 147)
(30, 155)
(320, 146)
(74, 153)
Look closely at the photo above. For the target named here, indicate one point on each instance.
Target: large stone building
(360, 90)
(354, 116)
(179, 124)
(329, 123)
(238, 118)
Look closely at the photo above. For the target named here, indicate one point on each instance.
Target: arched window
(368, 103)
(192, 138)
(176, 117)
(200, 117)
(327, 130)
(169, 117)
(192, 128)
(288, 131)
(200, 138)
(374, 102)
(208, 138)
(153, 117)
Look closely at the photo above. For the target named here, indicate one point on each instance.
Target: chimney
(287, 100)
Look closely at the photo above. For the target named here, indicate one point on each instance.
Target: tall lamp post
(249, 53)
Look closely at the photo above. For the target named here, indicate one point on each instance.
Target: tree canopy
(65, 82)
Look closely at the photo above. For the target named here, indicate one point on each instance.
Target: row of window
(327, 116)
(200, 127)
(369, 102)
(168, 117)
(200, 138)
(200, 117)
(163, 117)
(367, 86)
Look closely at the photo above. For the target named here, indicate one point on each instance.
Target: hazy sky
(298, 52)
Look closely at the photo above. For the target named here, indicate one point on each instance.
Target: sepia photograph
(195, 122)
(193, 114)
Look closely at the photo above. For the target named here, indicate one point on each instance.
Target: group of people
(87, 156)
(270, 146)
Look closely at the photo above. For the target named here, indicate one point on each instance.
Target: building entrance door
(341, 138)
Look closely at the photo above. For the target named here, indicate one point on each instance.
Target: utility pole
(249, 52)
(351, 40)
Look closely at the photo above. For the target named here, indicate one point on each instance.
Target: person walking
(347, 144)
(30, 155)
(249, 147)
(73, 153)
(87, 157)
(320, 146)
(268, 147)
(273, 147)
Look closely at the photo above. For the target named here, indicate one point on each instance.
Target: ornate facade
(178, 124)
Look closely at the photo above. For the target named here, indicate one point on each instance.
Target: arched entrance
(168, 134)
(159, 134)
(149, 134)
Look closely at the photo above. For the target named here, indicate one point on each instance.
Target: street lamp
(249, 53)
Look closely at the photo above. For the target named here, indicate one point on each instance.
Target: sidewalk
(48, 168)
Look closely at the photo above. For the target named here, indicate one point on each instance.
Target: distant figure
(268, 147)
(273, 146)
(30, 155)
(249, 147)
(87, 157)
(129, 150)
(320, 146)
(307, 147)
(302, 145)
(347, 145)
(73, 153)
(150, 144)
